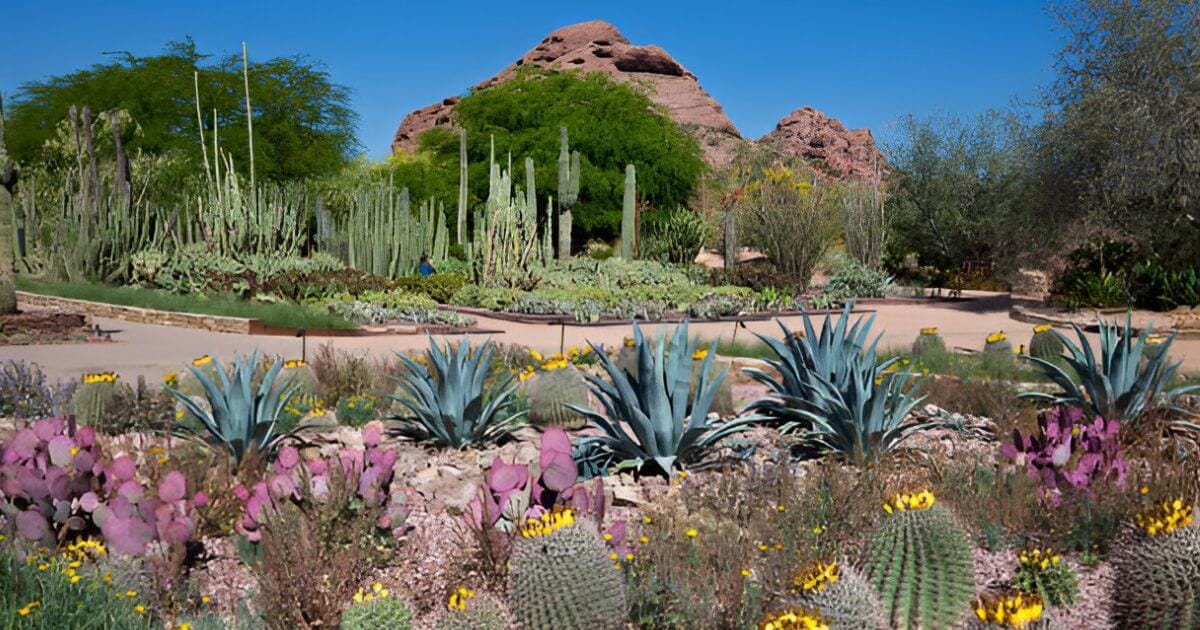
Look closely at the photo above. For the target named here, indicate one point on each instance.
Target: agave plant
(833, 390)
(1115, 384)
(649, 419)
(450, 402)
(240, 417)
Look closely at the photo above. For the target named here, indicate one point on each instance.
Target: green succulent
(847, 603)
(380, 613)
(1046, 345)
(451, 402)
(651, 418)
(834, 391)
(1158, 580)
(478, 613)
(240, 417)
(919, 561)
(1116, 384)
(91, 401)
(929, 344)
(550, 394)
(563, 578)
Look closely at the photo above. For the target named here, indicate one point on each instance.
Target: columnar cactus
(1157, 567)
(920, 562)
(629, 215)
(9, 175)
(568, 193)
(550, 392)
(461, 231)
(560, 576)
(842, 594)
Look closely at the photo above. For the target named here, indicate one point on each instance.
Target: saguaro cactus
(568, 194)
(628, 215)
(461, 233)
(9, 174)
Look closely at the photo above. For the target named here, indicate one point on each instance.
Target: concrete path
(152, 351)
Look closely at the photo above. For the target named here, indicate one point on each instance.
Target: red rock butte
(598, 46)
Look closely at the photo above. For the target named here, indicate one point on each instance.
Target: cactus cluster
(928, 344)
(919, 561)
(842, 594)
(376, 609)
(560, 576)
(1157, 569)
(551, 391)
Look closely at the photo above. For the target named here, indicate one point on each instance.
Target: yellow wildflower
(293, 363)
(793, 619)
(458, 599)
(699, 354)
(204, 360)
(171, 379)
(922, 500)
(692, 532)
(1011, 610)
(817, 577)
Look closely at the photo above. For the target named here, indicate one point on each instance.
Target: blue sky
(865, 63)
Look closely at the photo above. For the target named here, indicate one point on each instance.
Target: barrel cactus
(1046, 344)
(560, 576)
(928, 344)
(842, 594)
(797, 618)
(998, 343)
(1157, 568)
(1024, 611)
(466, 611)
(92, 398)
(376, 608)
(919, 561)
(550, 392)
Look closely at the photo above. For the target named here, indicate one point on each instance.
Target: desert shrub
(490, 298)
(792, 216)
(320, 285)
(33, 597)
(757, 276)
(114, 408)
(379, 307)
(25, 394)
(340, 374)
(852, 279)
(439, 286)
(616, 273)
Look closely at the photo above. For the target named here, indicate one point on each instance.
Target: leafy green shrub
(439, 286)
(379, 307)
(615, 273)
(450, 401)
(325, 284)
(668, 428)
(50, 597)
(673, 236)
(852, 279)
(1158, 289)
(757, 276)
(920, 563)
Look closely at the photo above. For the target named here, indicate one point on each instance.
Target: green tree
(303, 124)
(611, 124)
(1121, 146)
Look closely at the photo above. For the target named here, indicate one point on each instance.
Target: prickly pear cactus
(92, 398)
(1017, 610)
(466, 611)
(1157, 567)
(560, 576)
(375, 611)
(919, 561)
(1046, 344)
(842, 594)
(928, 343)
(550, 392)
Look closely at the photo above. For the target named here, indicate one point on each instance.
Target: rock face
(598, 46)
(809, 134)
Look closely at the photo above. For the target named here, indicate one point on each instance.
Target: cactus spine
(9, 174)
(629, 215)
(568, 193)
(461, 231)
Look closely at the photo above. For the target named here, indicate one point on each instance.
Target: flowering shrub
(1070, 449)
(55, 485)
(292, 479)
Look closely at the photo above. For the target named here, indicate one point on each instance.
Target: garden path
(152, 351)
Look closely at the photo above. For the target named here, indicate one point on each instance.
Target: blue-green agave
(650, 420)
(1115, 384)
(833, 390)
(450, 401)
(241, 417)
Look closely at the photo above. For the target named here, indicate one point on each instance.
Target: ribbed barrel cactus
(560, 576)
(842, 594)
(92, 398)
(550, 392)
(375, 609)
(998, 343)
(1046, 344)
(928, 344)
(919, 561)
(467, 611)
(1157, 567)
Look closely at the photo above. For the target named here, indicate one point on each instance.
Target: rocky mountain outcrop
(809, 134)
(598, 46)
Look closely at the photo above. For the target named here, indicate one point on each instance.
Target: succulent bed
(485, 486)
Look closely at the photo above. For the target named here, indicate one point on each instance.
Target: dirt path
(151, 351)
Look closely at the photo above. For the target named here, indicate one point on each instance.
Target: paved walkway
(151, 351)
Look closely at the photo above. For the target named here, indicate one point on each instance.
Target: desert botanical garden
(579, 355)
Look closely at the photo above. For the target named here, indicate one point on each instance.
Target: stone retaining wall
(214, 323)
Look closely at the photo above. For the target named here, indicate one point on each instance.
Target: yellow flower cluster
(1040, 560)
(1165, 517)
(817, 577)
(293, 363)
(171, 379)
(99, 377)
(700, 354)
(793, 619)
(377, 592)
(1015, 610)
(363, 401)
(932, 330)
(1155, 340)
(1041, 328)
(28, 608)
(204, 360)
(458, 599)
(629, 342)
(549, 523)
(89, 547)
(997, 337)
(922, 500)
(306, 406)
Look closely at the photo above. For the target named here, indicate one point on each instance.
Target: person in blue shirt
(426, 267)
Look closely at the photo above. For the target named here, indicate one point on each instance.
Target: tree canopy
(303, 124)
